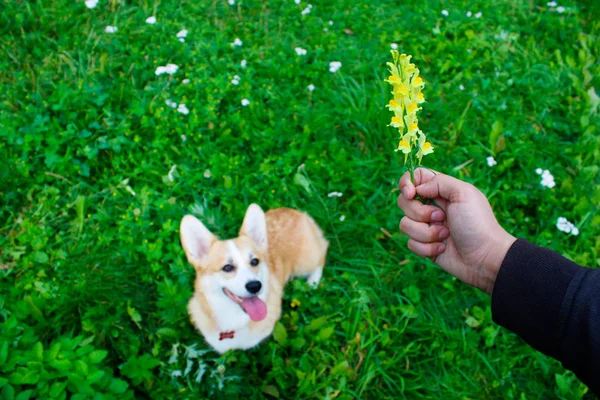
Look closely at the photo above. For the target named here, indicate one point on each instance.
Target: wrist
(493, 261)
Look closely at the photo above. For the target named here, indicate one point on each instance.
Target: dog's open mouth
(253, 306)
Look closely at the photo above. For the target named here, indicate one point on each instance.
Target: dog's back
(297, 246)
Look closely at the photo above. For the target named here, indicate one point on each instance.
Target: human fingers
(423, 232)
(421, 175)
(418, 211)
(443, 186)
(426, 249)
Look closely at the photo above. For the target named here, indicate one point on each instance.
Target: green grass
(94, 281)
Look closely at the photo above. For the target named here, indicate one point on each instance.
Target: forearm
(554, 305)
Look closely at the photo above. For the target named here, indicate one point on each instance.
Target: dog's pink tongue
(255, 307)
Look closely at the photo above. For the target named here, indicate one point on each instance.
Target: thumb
(443, 186)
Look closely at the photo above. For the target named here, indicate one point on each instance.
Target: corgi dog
(239, 282)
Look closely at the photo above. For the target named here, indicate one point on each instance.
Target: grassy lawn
(97, 170)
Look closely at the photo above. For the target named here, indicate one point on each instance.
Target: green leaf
(118, 386)
(227, 182)
(298, 342)
(316, 324)
(3, 352)
(81, 368)
(24, 395)
(57, 388)
(52, 352)
(413, 293)
(40, 257)
(61, 365)
(326, 333)
(134, 314)
(472, 322)
(497, 129)
(38, 352)
(8, 392)
(95, 376)
(271, 391)
(97, 356)
(301, 180)
(3, 381)
(562, 383)
(279, 333)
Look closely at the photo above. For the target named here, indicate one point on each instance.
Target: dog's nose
(253, 286)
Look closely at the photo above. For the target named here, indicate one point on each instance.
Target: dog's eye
(254, 262)
(228, 268)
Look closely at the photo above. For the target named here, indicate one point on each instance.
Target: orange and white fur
(239, 282)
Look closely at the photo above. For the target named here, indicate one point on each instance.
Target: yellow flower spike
(407, 85)
(412, 108)
(404, 146)
(397, 122)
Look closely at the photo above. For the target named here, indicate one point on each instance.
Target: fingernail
(444, 233)
(405, 191)
(441, 248)
(437, 216)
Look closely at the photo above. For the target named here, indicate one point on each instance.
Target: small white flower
(243, 63)
(394, 46)
(151, 20)
(245, 102)
(231, 2)
(330, 23)
(185, 81)
(461, 87)
(91, 3)
(342, 218)
(478, 15)
(207, 174)
(335, 194)
(183, 109)
(237, 42)
(491, 161)
(547, 179)
(300, 51)
(183, 138)
(170, 174)
(167, 69)
(539, 171)
(469, 51)
(469, 13)
(560, 9)
(171, 103)
(563, 225)
(176, 373)
(552, 4)
(235, 82)
(297, 1)
(181, 39)
(334, 66)
(182, 33)
(311, 87)
(306, 10)
(445, 13)
(111, 29)
(125, 183)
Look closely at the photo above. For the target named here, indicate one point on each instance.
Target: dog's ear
(255, 225)
(196, 240)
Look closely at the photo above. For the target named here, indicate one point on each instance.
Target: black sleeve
(554, 305)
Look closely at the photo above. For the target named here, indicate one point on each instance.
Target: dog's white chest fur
(233, 330)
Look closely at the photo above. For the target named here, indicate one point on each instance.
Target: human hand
(463, 237)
